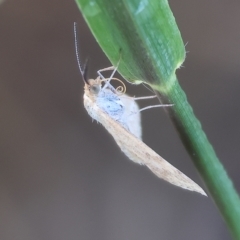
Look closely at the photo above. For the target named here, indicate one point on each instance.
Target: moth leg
(155, 106)
(152, 106)
(139, 98)
(107, 83)
(99, 72)
(146, 97)
(149, 107)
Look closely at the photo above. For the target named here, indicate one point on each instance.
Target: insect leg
(146, 97)
(99, 72)
(155, 106)
(107, 69)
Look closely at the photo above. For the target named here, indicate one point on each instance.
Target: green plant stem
(203, 155)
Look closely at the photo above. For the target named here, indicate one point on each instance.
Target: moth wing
(139, 152)
(132, 115)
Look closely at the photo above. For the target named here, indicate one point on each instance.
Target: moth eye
(94, 89)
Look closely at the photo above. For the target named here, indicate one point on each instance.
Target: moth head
(93, 86)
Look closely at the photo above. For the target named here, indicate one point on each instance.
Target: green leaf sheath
(143, 35)
(151, 43)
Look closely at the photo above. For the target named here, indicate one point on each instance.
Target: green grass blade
(145, 35)
(114, 25)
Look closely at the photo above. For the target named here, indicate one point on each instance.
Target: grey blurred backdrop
(61, 174)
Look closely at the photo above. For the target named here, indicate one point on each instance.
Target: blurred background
(61, 174)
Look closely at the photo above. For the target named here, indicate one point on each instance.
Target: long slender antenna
(83, 70)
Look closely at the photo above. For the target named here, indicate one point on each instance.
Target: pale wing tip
(175, 177)
(204, 194)
(198, 189)
(201, 191)
(191, 186)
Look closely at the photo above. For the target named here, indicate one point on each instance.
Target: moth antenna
(83, 70)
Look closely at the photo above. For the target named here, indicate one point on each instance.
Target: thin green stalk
(144, 33)
(203, 155)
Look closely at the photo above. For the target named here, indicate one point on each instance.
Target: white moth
(120, 115)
